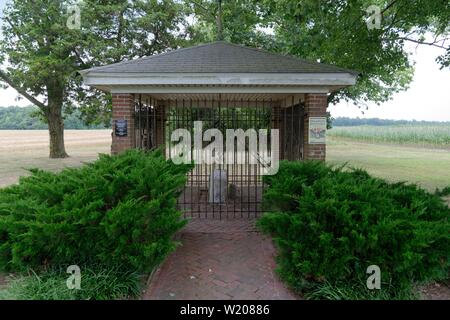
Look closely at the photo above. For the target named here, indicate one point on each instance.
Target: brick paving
(225, 259)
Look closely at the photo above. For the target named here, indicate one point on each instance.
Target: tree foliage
(42, 54)
(242, 22)
(28, 118)
(336, 32)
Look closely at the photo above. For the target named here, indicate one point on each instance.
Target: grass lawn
(429, 167)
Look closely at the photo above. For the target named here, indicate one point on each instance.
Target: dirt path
(435, 291)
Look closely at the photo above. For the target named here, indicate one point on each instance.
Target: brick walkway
(224, 259)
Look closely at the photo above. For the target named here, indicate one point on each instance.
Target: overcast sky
(428, 97)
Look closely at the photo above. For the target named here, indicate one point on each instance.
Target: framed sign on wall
(121, 128)
(317, 130)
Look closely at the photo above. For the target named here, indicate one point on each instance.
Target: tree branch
(388, 6)
(204, 8)
(77, 54)
(395, 15)
(22, 91)
(434, 43)
(13, 27)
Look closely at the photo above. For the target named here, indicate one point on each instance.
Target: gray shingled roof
(219, 57)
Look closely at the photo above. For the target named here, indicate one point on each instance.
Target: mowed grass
(416, 134)
(22, 149)
(429, 167)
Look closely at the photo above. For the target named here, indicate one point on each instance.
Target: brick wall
(123, 108)
(315, 106)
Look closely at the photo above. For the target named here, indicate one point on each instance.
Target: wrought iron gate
(221, 190)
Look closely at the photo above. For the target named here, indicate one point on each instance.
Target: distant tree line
(29, 118)
(352, 122)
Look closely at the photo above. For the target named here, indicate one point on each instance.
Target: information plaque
(121, 128)
(317, 130)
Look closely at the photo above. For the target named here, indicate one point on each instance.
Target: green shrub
(98, 283)
(443, 192)
(330, 224)
(119, 210)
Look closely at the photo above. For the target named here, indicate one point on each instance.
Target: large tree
(41, 53)
(336, 32)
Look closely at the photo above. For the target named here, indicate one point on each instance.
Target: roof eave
(216, 79)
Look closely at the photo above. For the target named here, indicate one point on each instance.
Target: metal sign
(121, 128)
(317, 130)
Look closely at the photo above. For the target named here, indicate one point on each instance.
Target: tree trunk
(219, 21)
(56, 126)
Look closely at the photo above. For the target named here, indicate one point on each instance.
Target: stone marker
(232, 192)
(218, 186)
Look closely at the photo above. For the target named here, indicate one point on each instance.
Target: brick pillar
(123, 109)
(315, 106)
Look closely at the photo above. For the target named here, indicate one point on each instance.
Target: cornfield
(436, 134)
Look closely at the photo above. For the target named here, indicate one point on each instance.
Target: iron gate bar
(140, 130)
(292, 126)
(221, 165)
(149, 142)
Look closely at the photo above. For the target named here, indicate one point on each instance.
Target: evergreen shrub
(117, 211)
(331, 223)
